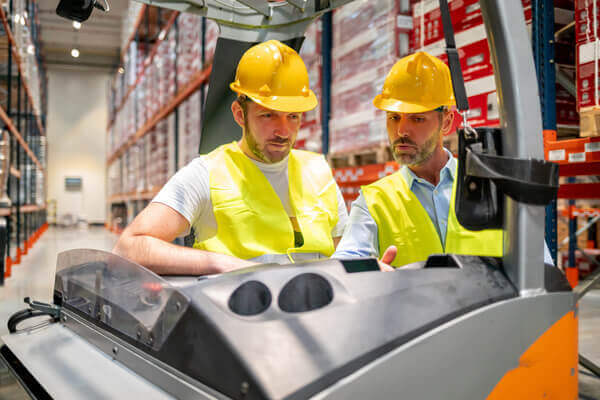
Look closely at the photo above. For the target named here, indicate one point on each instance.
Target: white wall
(76, 129)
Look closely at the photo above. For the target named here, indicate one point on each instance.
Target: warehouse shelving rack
(24, 122)
(577, 157)
(165, 21)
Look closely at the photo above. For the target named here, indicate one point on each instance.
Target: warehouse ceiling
(98, 39)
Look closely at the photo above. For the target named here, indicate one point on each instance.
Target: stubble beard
(256, 149)
(423, 153)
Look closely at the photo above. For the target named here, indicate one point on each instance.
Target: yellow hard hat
(274, 76)
(416, 83)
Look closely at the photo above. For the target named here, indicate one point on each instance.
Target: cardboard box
(483, 102)
(587, 74)
(586, 27)
(590, 123)
(475, 61)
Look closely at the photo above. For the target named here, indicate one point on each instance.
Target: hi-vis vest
(251, 220)
(402, 221)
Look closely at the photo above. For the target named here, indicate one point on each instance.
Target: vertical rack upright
(22, 115)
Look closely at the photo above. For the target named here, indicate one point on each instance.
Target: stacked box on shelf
(131, 62)
(587, 28)
(309, 136)
(152, 91)
(153, 165)
(363, 52)
(133, 11)
(114, 179)
(158, 157)
(404, 27)
(127, 184)
(141, 110)
(566, 107)
(473, 49)
(165, 66)
(210, 39)
(21, 30)
(190, 126)
(170, 126)
(189, 48)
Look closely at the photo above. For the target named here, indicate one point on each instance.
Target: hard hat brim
(281, 103)
(394, 105)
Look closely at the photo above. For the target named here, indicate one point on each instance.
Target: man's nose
(402, 129)
(283, 127)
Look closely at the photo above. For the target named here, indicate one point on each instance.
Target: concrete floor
(34, 277)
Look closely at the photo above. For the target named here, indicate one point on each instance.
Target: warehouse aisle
(34, 277)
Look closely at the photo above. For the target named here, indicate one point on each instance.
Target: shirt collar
(448, 172)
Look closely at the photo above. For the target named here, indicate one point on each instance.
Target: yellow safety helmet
(416, 83)
(274, 76)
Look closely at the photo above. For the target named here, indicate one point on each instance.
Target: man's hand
(387, 259)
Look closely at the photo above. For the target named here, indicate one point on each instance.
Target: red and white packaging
(311, 55)
(465, 15)
(566, 106)
(586, 27)
(363, 53)
(473, 53)
(587, 74)
(483, 102)
(211, 36)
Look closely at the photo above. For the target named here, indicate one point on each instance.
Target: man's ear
(238, 113)
(447, 121)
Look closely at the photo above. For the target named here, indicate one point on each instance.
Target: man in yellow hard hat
(255, 200)
(409, 215)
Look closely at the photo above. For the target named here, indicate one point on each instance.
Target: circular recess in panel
(250, 298)
(305, 292)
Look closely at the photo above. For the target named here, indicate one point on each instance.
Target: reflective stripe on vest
(402, 221)
(251, 220)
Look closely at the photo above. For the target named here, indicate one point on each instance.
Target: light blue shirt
(360, 237)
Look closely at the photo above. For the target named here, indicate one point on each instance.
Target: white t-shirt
(188, 193)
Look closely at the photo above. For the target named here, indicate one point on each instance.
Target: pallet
(373, 155)
(589, 122)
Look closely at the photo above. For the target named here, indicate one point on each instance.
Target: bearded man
(409, 215)
(251, 201)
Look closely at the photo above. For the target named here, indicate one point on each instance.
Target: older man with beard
(255, 200)
(409, 215)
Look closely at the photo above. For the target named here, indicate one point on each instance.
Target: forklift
(453, 327)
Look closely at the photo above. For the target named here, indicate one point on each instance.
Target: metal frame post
(572, 232)
(326, 45)
(543, 53)
(11, 138)
(520, 120)
(18, 162)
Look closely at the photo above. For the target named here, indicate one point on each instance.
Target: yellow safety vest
(251, 220)
(402, 221)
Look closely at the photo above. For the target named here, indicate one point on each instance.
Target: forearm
(169, 259)
(360, 236)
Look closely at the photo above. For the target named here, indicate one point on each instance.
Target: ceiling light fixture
(74, 53)
(77, 25)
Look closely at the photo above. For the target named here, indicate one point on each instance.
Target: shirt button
(435, 191)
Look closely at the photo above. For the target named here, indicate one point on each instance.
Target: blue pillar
(543, 53)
